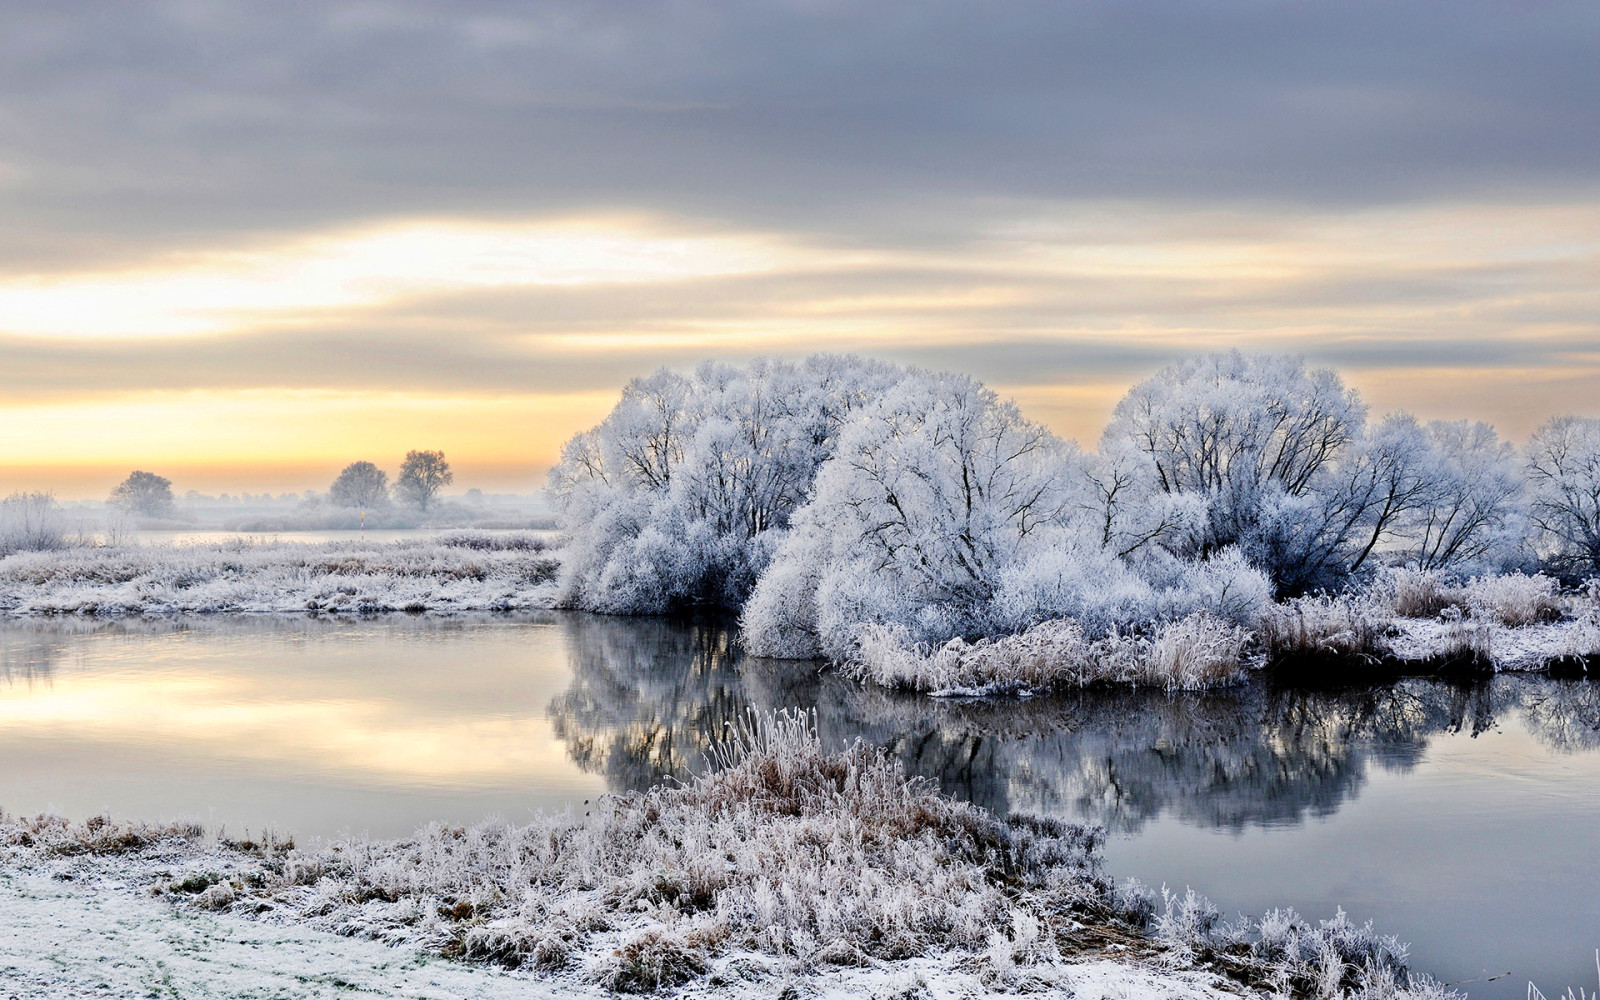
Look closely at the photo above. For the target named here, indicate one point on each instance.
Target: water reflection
(1406, 804)
(646, 699)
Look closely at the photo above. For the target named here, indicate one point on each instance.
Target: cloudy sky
(243, 244)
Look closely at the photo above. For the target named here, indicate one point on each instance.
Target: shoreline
(787, 866)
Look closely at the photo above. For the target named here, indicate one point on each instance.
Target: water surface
(1464, 819)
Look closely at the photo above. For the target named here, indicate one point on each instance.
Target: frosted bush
(1412, 592)
(1516, 599)
(1091, 586)
(786, 850)
(31, 522)
(1342, 626)
(1224, 586)
(780, 619)
(1286, 954)
(1197, 652)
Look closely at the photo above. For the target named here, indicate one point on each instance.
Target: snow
(463, 572)
(106, 938)
(784, 866)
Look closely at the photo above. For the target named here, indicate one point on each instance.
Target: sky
(244, 244)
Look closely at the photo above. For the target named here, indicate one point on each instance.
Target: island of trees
(826, 499)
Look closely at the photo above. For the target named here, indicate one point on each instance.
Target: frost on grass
(461, 572)
(1419, 619)
(1199, 651)
(784, 859)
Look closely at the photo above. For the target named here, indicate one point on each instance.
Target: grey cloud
(124, 124)
(382, 359)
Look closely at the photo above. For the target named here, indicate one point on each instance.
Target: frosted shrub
(30, 522)
(1336, 958)
(1224, 586)
(1286, 954)
(1091, 586)
(1186, 922)
(1416, 593)
(1516, 599)
(1341, 626)
(780, 619)
(1197, 652)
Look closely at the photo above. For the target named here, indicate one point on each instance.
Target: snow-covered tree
(362, 485)
(422, 475)
(30, 521)
(1476, 516)
(144, 493)
(1266, 447)
(945, 512)
(681, 494)
(1563, 468)
(925, 503)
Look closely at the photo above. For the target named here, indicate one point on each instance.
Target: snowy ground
(464, 571)
(110, 939)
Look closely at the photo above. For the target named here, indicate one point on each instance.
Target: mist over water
(1458, 817)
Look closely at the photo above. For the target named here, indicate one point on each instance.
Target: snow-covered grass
(1414, 620)
(785, 860)
(1322, 627)
(460, 572)
(1407, 621)
(1195, 652)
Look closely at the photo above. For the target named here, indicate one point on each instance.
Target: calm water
(1466, 820)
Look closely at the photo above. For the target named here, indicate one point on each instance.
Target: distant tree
(1564, 474)
(144, 493)
(422, 475)
(362, 485)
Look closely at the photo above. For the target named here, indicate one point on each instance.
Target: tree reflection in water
(648, 696)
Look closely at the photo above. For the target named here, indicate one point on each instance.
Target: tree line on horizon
(360, 485)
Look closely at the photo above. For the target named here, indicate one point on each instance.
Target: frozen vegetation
(916, 528)
(464, 571)
(783, 862)
(1415, 618)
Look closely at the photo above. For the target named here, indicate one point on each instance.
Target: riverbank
(787, 865)
(454, 572)
(1403, 623)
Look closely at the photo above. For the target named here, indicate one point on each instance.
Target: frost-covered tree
(1563, 468)
(1264, 445)
(945, 512)
(30, 522)
(144, 493)
(1129, 511)
(932, 490)
(362, 485)
(1476, 516)
(422, 475)
(680, 495)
